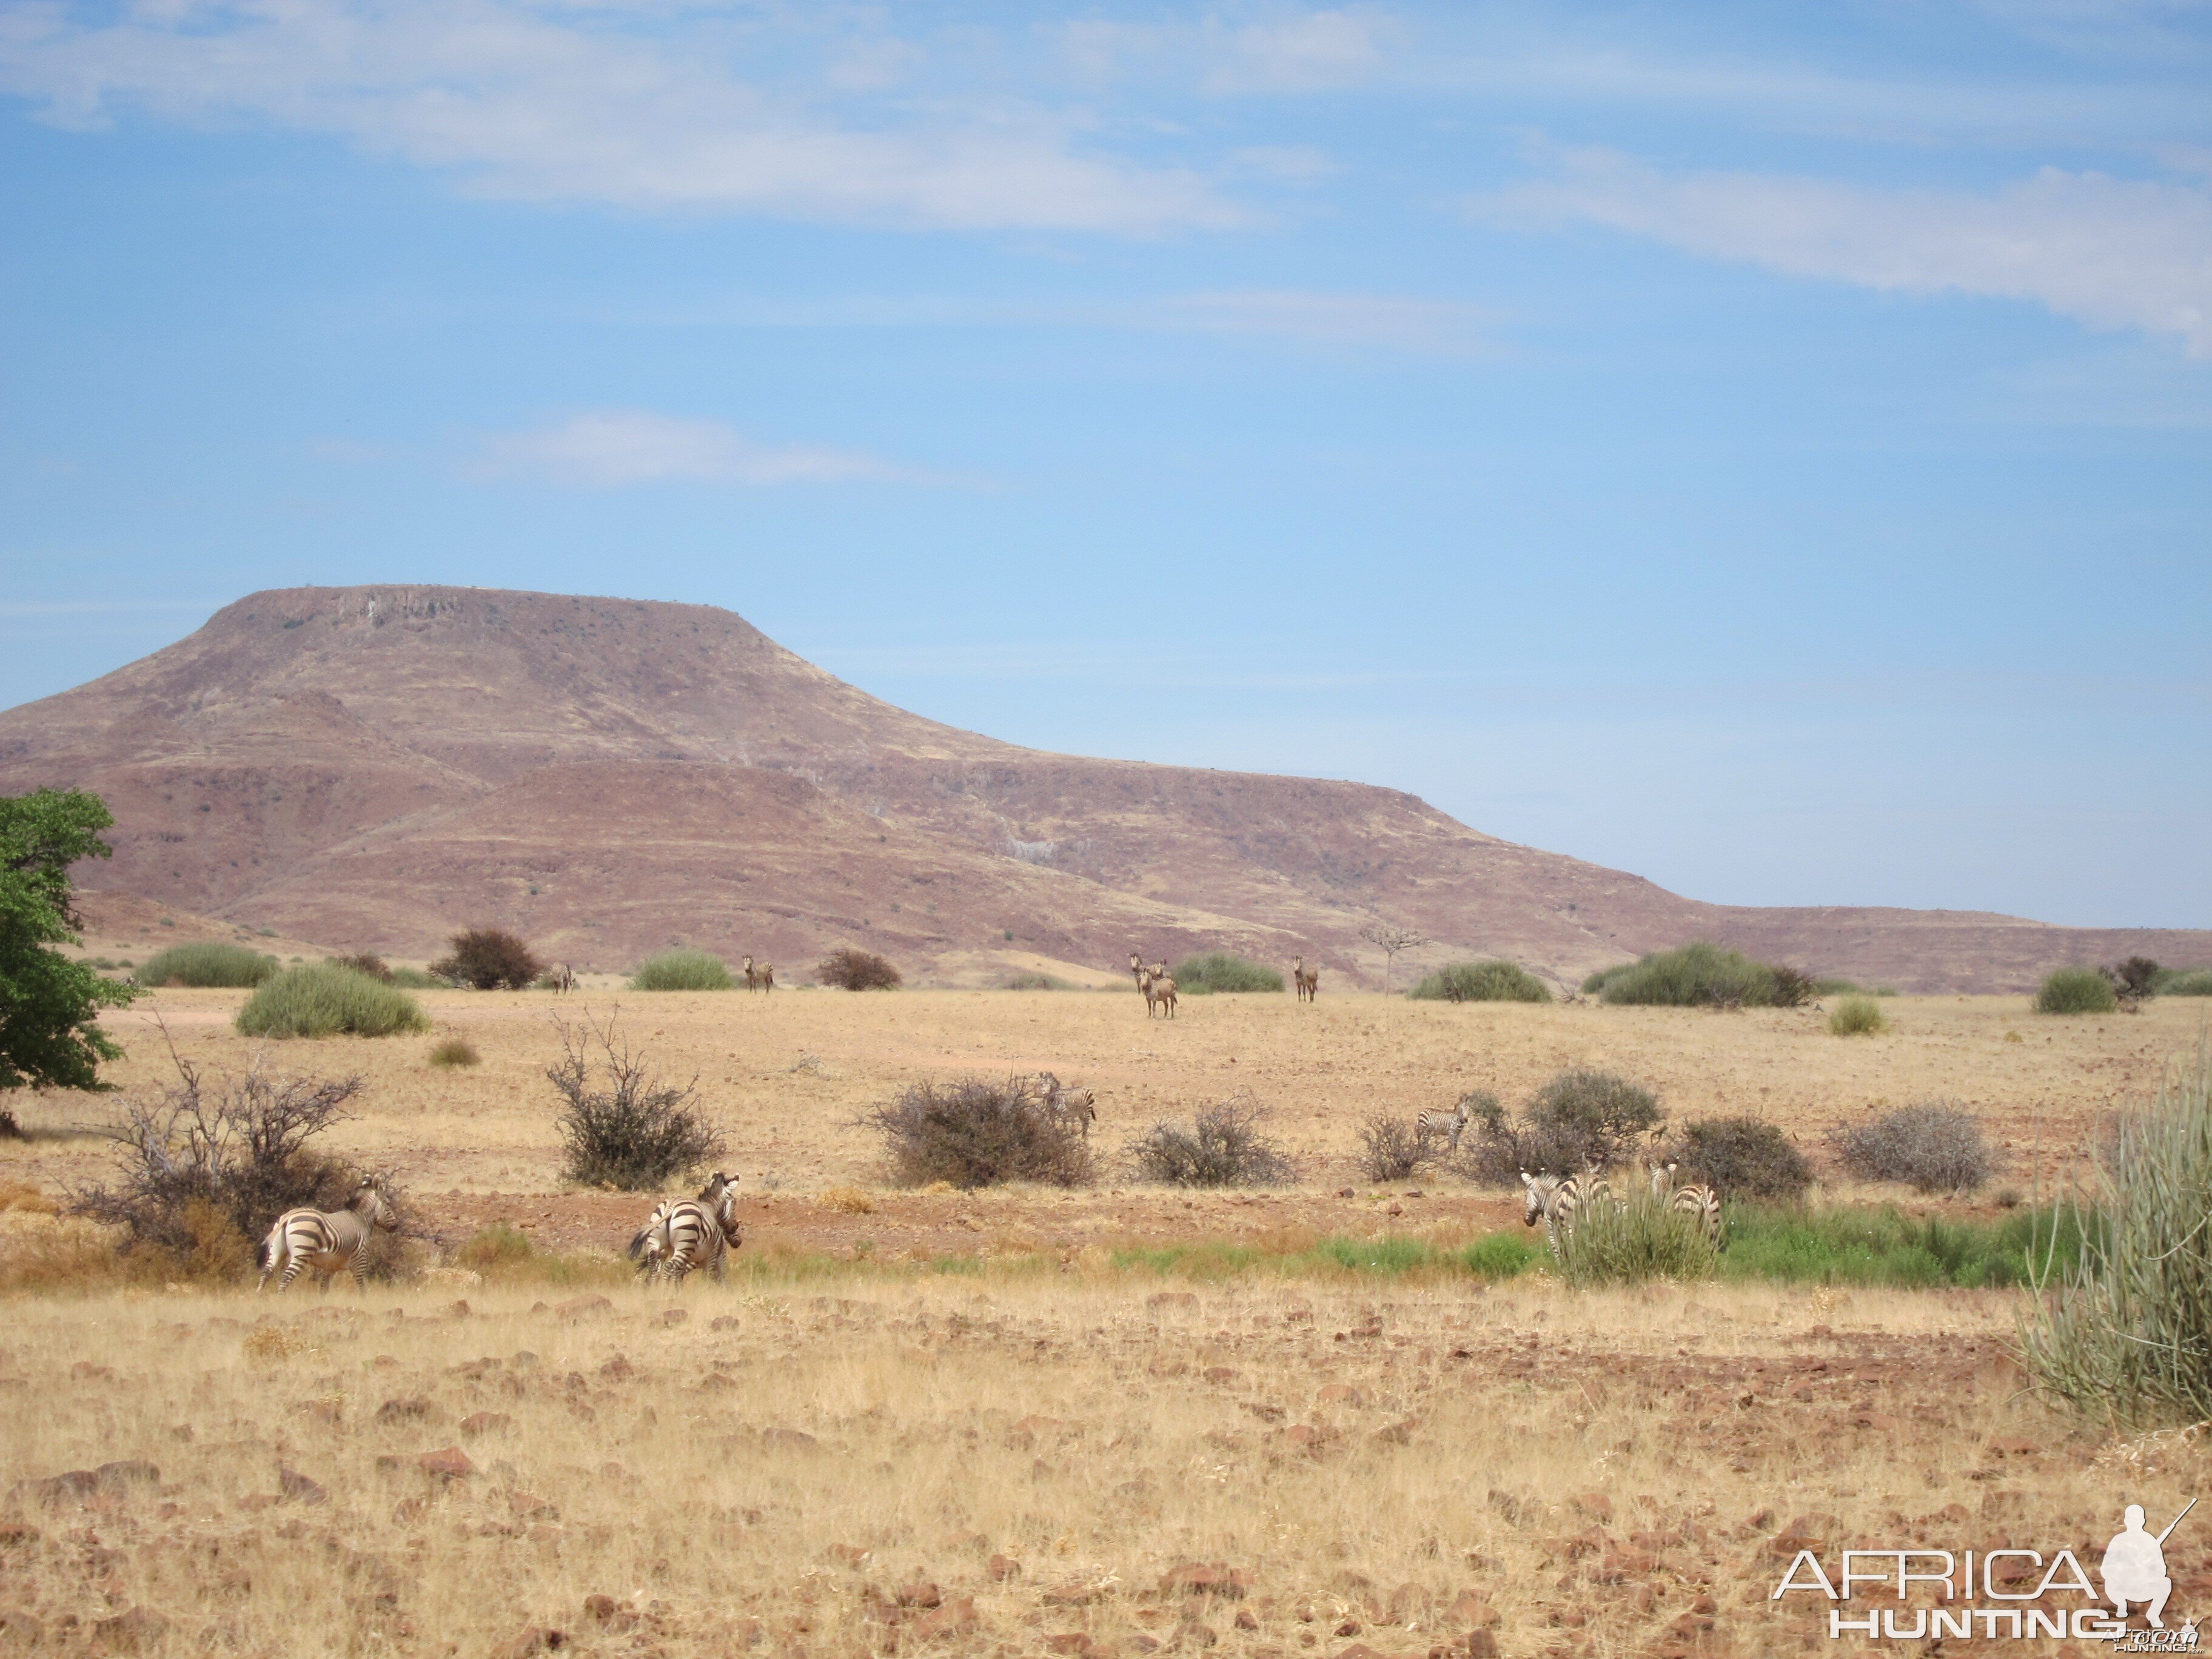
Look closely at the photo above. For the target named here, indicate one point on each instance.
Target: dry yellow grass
(1604, 1474)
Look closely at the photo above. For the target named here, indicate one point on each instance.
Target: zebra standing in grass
(1078, 1104)
(1559, 1200)
(1451, 1125)
(687, 1233)
(1697, 1200)
(326, 1243)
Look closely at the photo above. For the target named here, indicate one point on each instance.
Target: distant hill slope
(373, 767)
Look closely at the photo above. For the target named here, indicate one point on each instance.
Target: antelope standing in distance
(751, 973)
(1696, 1200)
(687, 1233)
(1159, 993)
(1137, 970)
(1080, 1104)
(326, 1243)
(768, 976)
(564, 978)
(1305, 980)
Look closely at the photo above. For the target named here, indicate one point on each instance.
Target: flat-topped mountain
(375, 767)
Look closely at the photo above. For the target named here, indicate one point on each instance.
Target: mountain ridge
(376, 766)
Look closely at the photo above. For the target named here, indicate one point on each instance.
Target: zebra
(1159, 992)
(1305, 980)
(1078, 1104)
(1697, 1200)
(687, 1233)
(1559, 1200)
(1451, 1125)
(326, 1243)
(767, 976)
(751, 973)
(1137, 970)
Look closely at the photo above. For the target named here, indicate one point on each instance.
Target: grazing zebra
(1559, 1200)
(314, 1238)
(1697, 1200)
(1159, 993)
(686, 1233)
(1451, 1125)
(1080, 1104)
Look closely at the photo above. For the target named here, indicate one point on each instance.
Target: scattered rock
(524, 1360)
(20, 1629)
(1075, 1594)
(1357, 1650)
(919, 1593)
(1172, 1299)
(1482, 1644)
(617, 1369)
(1073, 1641)
(130, 1630)
(609, 1614)
(788, 1440)
(1246, 1620)
(1340, 1393)
(1194, 1634)
(1595, 1504)
(673, 1316)
(1001, 1568)
(1138, 1642)
(723, 1322)
(459, 1310)
(477, 1425)
(1205, 1578)
(1471, 1608)
(852, 1555)
(583, 1306)
(297, 1488)
(537, 1638)
(448, 1463)
(416, 1410)
(954, 1619)
(1396, 1434)
(748, 1632)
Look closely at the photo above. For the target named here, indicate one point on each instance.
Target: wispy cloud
(579, 105)
(2115, 253)
(612, 446)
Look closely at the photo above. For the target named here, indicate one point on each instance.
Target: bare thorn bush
(1392, 1148)
(1222, 1147)
(621, 1126)
(979, 1132)
(1934, 1147)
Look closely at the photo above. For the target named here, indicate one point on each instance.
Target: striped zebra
(1559, 1200)
(1078, 1104)
(684, 1234)
(1697, 1200)
(326, 1243)
(1451, 1125)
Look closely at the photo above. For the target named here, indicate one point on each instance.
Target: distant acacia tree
(487, 958)
(49, 1005)
(1389, 941)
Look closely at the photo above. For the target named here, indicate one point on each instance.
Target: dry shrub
(848, 970)
(974, 1132)
(1578, 1118)
(452, 1051)
(847, 1200)
(1739, 1158)
(368, 962)
(487, 958)
(204, 1168)
(24, 1196)
(1858, 1016)
(622, 1128)
(1222, 1147)
(1392, 1148)
(1933, 1146)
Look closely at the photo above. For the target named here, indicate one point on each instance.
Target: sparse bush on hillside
(1222, 971)
(205, 1167)
(366, 962)
(2125, 1332)
(207, 963)
(1934, 1147)
(2185, 982)
(1699, 974)
(1835, 988)
(1739, 1158)
(1638, 1239)
(1222, 1147)
(2133, 981)
(851, 969)
(977, 1131)
(1578, 1118)
(682, 970)
(1481, 981)
(486, 958)
(1858, 1017)
(320, 998)
(2076, 991)
(1392, 1148)
(622, 1127)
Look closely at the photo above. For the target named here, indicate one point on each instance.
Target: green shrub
(1791, 1245)
(1498, 1255)
(490, 1249)
(848, 970)
(454, 1051)
(1858, 1017)
(1594, 983)
(1481, 981)
(486, 958)
(1578, 1118)
(2172, 981)
(1699, 973)
(2125, 1332)
(413, 979)
(1639, 1238)
(2076, 991)
(1221, 970)
(1835, 988)
(1739, 1158)
(1034, 982)
(320, 998)
(682, 970)
(1934, 1147)
(207, 963)
(1224, 1147)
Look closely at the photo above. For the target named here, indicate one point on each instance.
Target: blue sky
(1766, 449)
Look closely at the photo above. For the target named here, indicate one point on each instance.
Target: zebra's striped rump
(1696, 1200)
(684, 1234)
(327, 1242)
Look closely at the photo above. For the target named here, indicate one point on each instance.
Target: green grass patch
(2076, 991)
(1222, 971)
(413, 979)
(208, 963)
(1858, 1017)
(1481, 981)
(453, 1051)
(320, 998)
(1886, 1248)
(2184, 982)
(682, 970)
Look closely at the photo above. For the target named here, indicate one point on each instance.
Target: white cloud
(610, 447)
(2112, 253)
(525, 102)
(1311, 52)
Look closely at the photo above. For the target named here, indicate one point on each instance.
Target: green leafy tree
(49, 1005)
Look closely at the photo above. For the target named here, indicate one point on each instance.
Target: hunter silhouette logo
(2133, 1570)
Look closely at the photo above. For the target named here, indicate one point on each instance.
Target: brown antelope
(1305, 980)
(1159, 993)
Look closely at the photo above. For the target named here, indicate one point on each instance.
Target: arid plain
(975, 1423)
